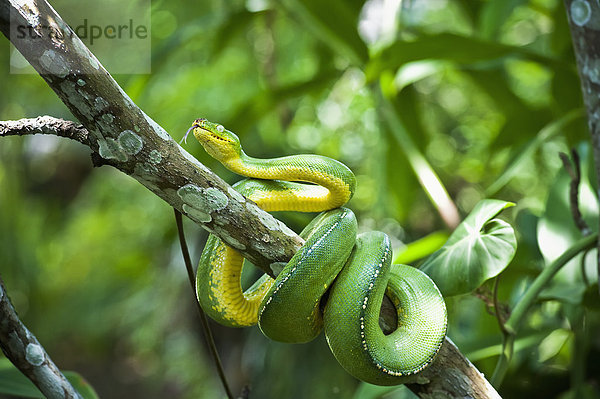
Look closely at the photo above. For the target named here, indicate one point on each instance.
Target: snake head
(218, 142)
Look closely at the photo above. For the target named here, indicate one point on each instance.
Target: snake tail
(219, 287)
(351, 316)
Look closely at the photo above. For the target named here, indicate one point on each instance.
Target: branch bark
(25, 352)
(120, 134)
(584, 22)
(125, 137)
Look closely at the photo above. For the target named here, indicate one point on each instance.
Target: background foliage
(485, 93)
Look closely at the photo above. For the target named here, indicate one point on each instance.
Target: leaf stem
(203, 319)
(518, 314)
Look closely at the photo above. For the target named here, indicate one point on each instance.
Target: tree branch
(25, 352)
(126, 138)
(45, 125)
(584, 22)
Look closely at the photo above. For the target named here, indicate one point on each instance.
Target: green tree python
(336, 281)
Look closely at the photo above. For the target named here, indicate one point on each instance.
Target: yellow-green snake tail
(355, 272)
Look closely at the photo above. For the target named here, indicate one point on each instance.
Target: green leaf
(479, 249)
(452, 47)
(494, 15)
(13, 382)
(368, 391)
(421, 248)
(515, 165)
(335, 22)
(81, 385)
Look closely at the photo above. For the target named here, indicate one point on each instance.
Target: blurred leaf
(334, 22)
(522, 120)
(421, 248)
(233, 26)
(479, 249)
(451, 47)
(263, 102)
(415, 71)
(81, 385)
(515, 164)
(551, 345)
(568, 293)
(13, 382)
(369, 391)
(591, 297)
(494, 14)
(524, 341)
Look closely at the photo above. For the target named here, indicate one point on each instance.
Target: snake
(335, 282)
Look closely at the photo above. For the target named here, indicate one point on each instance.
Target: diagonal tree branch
(121, 135)
(126, 138)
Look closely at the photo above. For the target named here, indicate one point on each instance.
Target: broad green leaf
(12, 382)
(421, 248)
(479, 249)
(452, 47)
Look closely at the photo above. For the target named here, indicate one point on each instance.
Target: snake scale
(352, 272)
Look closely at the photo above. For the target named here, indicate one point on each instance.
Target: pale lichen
(581, 12)
(34, 354)
(206, 200)
(54, 63)
(155, 157)
(108, 118)
(109, 148)
(196, 214)
(269, 221)
(100, 103)
(131, 142)
(235, 195)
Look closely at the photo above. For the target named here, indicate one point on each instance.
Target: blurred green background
(484, 93)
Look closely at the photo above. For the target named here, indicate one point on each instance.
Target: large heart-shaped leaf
(479, 249)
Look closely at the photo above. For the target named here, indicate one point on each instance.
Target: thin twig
(22, 348)
(203, 319)
(45, 125)
(574, 190)
(501, 319)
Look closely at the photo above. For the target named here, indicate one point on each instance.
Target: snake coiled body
(355, 271)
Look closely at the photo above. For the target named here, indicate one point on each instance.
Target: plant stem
(528, 299)
(203, 319)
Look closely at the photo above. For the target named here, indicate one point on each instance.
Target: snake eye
(220, 128)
